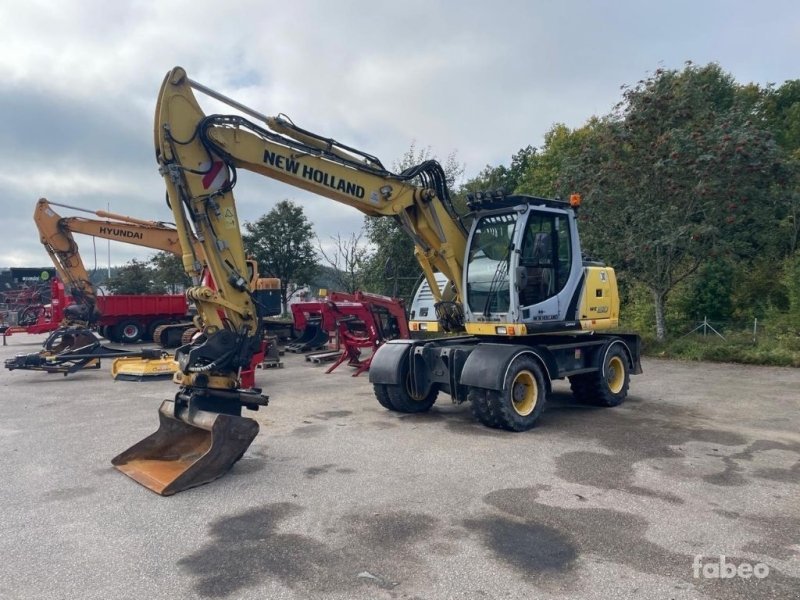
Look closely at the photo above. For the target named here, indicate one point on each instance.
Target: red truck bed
(147, 305)
(121, 312)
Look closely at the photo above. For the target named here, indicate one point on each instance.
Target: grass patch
(779, 351)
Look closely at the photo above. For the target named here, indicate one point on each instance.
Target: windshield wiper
(499, 273)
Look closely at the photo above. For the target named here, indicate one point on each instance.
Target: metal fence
(724, 329)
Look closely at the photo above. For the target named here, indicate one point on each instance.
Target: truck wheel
(609, 385)
(111, 334)
(519, 404)
(128, 332)
(382, 396)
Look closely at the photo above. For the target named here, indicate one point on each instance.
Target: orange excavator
(56, 232)
(73, 345)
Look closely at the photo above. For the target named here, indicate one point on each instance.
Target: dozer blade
(143, 369)
(189, 449)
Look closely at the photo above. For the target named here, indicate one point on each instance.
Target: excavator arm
(199, 155)
(63, 251)
(111, 226)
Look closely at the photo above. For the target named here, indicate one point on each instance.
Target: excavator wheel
(382, 395)
(402, 399)
(519, 404)
(478, 399)
(608, 386)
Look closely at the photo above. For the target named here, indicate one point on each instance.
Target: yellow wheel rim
(615, 375)
(524, 393)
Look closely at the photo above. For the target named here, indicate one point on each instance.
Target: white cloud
(482, 79)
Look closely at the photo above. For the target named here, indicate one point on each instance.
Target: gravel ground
(339, 498)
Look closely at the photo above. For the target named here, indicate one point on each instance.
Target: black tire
(111, 334)
(478, 399)
(382, 396)
(128, 331)
(608, 386)
(519, 404)
(401, 399)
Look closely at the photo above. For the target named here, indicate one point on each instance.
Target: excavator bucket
(190, 448)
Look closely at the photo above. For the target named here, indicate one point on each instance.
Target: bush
(738, 348)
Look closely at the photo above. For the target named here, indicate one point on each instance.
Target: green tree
(281, 242)
(792, 282)
(678, 174)
(169, 272)
(780, 110)
(544, 175)
(709, 292)
(135, 277)
(501, 177)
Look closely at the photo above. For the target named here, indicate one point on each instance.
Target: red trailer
(125, 318)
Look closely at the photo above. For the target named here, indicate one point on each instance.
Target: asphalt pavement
(340, 498)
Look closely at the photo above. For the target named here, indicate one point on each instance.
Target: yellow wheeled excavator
(529, 307)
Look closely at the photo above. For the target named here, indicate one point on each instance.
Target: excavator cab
(525, 268)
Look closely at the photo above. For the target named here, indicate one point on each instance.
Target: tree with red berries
(681, 172)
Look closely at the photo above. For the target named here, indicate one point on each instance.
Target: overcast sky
(482, 79)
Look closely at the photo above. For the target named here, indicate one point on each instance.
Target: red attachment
(360, 321)
(248, 375)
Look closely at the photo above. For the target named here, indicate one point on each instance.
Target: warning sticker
(229, 219)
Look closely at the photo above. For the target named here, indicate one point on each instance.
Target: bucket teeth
(190, 448)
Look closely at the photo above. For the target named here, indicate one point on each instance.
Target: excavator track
(186, 336)
(169, 335)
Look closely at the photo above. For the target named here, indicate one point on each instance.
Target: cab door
(545, 262)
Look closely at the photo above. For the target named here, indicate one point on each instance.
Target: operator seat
(538, 262)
